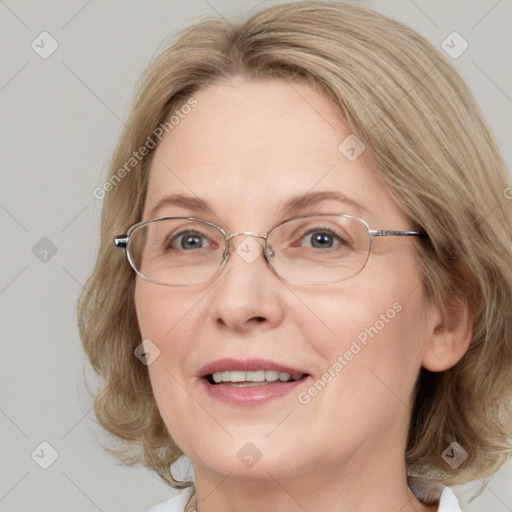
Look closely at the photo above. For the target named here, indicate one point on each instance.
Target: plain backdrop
(60, 118)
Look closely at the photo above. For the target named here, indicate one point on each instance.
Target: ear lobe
(449, 339)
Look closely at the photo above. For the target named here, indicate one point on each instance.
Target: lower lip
(250, 395)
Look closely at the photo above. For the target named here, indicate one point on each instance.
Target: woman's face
(245, 149)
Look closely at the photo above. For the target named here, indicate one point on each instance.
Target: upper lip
(245, 365)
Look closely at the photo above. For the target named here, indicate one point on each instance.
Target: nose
(248, 295)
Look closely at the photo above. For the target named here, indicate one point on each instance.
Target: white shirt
(447, 502)
(176, 503)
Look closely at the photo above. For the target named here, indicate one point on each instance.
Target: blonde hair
(424, 135)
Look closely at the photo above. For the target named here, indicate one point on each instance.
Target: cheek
(173, 320)
(379, 333)
(375, 328)
(376, 357)
(166, 317)
(164, 314)
(161, 317)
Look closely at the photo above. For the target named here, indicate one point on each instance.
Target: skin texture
(245, 148)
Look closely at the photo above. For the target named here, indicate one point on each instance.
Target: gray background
(60, 119)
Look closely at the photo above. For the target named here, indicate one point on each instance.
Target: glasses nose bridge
(247, 233)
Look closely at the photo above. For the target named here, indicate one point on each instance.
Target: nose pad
(269, 252)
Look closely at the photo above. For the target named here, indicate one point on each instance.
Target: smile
(252, 378)
(249, 382)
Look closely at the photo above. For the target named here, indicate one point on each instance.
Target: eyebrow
(302, 201)
(291, 205)
(182, 201)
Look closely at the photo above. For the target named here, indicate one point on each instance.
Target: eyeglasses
(309, 249)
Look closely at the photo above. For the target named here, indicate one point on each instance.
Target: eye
(188, 240)
(322, 238)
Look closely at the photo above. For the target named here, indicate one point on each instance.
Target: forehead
(249, 145)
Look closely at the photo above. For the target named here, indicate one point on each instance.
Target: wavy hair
(425, 136)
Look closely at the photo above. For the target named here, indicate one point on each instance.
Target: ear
(449, 337)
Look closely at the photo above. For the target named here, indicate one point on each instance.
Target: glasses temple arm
(386, 232)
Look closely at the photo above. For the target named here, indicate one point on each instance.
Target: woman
(315, 303)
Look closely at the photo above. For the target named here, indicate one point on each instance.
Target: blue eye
(322, 238)
(187, 240)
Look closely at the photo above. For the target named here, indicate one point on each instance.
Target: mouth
(252, 378)
(249, 382)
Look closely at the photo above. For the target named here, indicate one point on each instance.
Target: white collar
(430, 492)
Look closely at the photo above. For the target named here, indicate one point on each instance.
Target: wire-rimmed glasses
(308, 249)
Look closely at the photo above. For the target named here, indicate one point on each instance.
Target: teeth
(236, 376)
(256, 376)
(271, 375)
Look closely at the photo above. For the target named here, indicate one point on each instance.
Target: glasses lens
(176, 251)
(319, 249)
